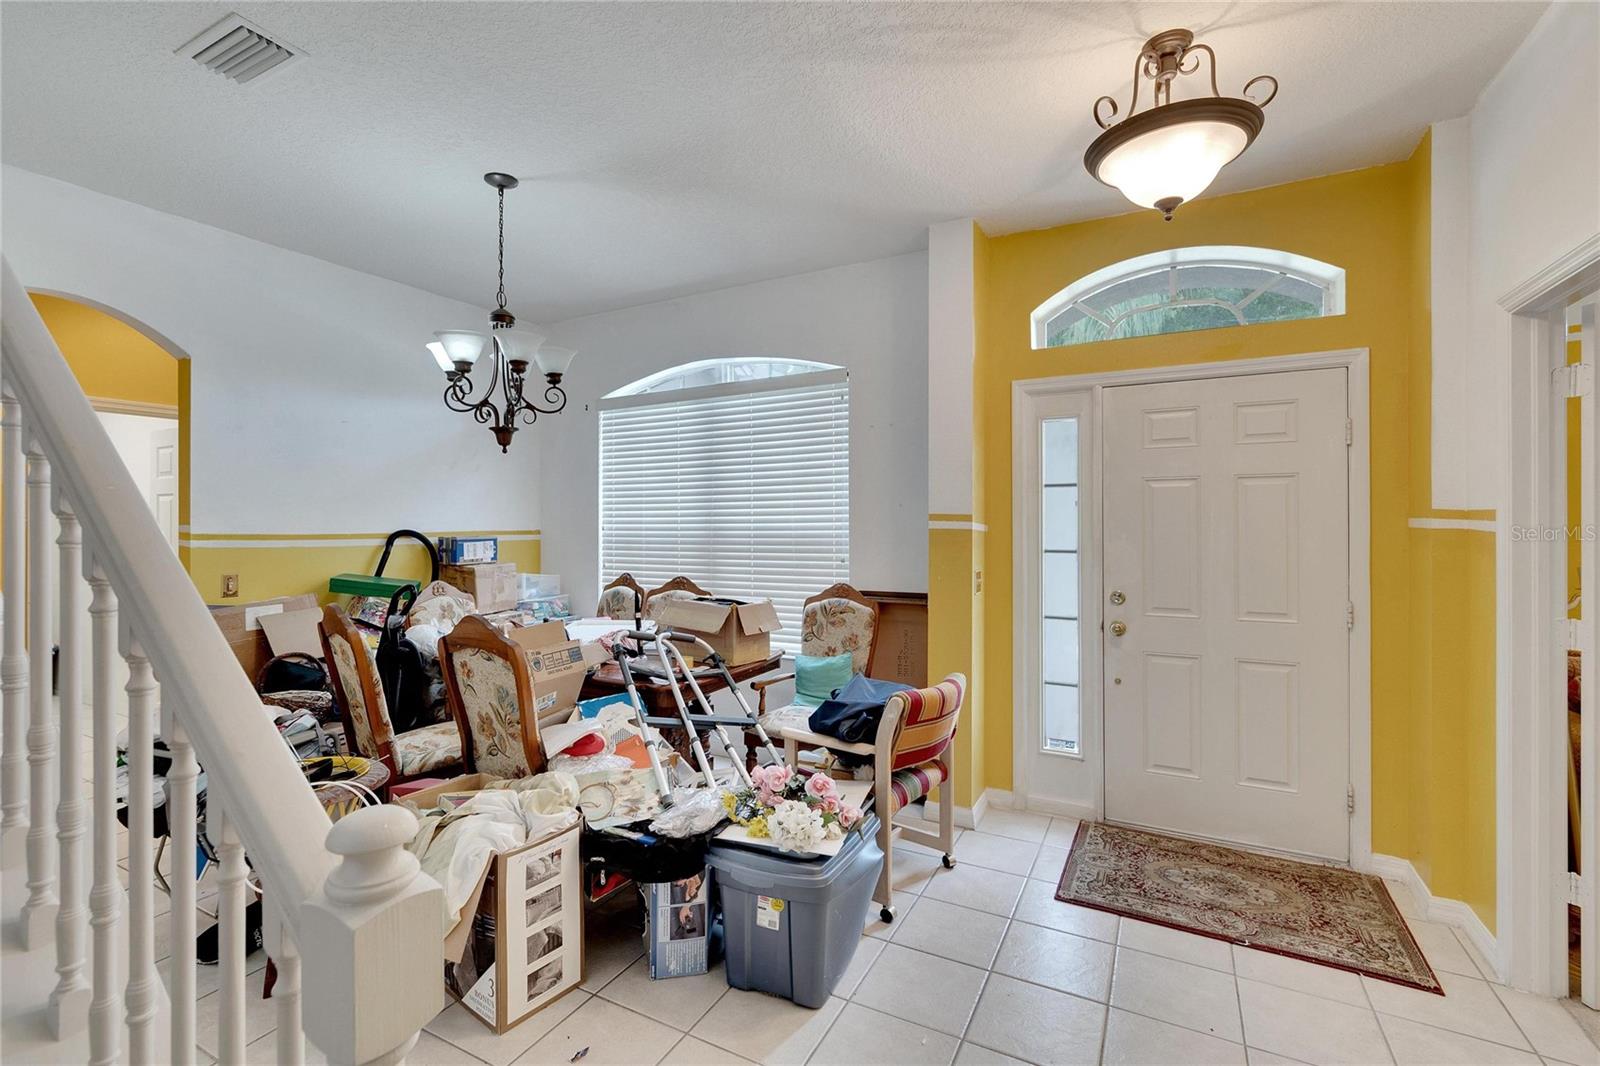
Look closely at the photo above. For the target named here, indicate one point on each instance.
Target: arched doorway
(138, 384)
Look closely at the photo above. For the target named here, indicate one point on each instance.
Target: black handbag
(853, 712)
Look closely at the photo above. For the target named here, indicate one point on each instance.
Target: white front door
(1225, 528)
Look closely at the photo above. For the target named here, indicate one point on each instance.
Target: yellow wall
(110, 358)
(1434, 805)
(288, 564)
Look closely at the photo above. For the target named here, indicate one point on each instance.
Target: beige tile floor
(984, 965)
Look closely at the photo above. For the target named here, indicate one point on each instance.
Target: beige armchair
(621, 599)
(679, 588)
(910, 758)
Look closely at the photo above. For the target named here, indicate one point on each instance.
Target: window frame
(1327, 277)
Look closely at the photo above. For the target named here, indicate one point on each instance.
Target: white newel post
(39, 912)
(14, 664)
(69, 1001)
(371, 977)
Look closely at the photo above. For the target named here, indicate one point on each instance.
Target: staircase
(352, 926)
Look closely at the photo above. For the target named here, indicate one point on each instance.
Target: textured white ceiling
(670, 148)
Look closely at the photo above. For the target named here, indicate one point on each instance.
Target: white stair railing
(352, 924)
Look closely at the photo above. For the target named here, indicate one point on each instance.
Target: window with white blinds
(743, 487)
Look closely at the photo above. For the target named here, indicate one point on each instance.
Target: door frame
(1025, 397)
(1530, 631)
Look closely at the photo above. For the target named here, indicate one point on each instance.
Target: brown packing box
(555, 664)
(901, 653)
(518, 945)
(241, 624)
(737, 630)
(492, 586)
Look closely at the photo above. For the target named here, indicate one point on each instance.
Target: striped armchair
(910, 758)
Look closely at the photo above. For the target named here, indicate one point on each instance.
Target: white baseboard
(1438, 909)
(1005, 800)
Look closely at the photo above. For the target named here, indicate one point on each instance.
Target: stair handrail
(278, 816)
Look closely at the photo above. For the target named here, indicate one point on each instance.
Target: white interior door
(1225, 526)
(164, 481)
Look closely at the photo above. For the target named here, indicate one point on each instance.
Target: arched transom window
(1183, 289)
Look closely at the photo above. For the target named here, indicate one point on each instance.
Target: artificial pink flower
(849, 816)
(821, 786)
(831, 804)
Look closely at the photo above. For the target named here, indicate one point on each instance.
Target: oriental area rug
(1322, 914)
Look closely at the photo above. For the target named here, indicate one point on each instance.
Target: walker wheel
(949, 863)
(887, 914)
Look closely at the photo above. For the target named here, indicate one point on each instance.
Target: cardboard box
(241, 625)
(519, 944)
(902, 649)
(738, 630)
(678, 922)
(555, 664)
(493, 586)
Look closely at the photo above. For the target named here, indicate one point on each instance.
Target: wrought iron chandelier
(510, 350)
(1168, 154)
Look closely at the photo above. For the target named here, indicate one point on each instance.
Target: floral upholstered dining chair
(490, 688)
(622, 599)
(433, 750)
(679, 588)
(838, 620)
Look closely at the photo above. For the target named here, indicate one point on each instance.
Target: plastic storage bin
(791, 925)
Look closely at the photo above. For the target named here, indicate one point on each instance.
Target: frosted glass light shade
(519, 344)
(554, 360)
(1174, 163)
(1168, 155)
(440, 356)
(461, 345)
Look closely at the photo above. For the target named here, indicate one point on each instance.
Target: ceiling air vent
(239, 50)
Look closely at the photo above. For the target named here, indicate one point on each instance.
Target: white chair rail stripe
(333, 890)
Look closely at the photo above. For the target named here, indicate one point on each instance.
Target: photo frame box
(678, 921)
(519, 945)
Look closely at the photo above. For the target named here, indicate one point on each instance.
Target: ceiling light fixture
(458, 351)
(1168, 154)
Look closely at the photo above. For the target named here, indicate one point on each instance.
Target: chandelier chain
(500, 295)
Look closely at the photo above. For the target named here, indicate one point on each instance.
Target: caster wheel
(887, 914)
(949, 863)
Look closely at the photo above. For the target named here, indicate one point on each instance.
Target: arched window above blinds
(1183, 289)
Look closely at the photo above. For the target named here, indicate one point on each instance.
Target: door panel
(1225, 527)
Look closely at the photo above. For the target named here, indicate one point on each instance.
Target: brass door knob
(1117, 598)
(1118, 628)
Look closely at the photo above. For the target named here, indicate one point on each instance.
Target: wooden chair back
(363, 708)
(620, 598)
(490, 689)
(679, 587)
(832, 623)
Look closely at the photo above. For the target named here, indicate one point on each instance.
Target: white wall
(869, 317)
(952, 347)
(315, 408)
(1525, 162)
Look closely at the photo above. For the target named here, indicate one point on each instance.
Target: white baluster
(231, 904)
(143, 984)
(69, 1001)
(105, 900)
(285, 955)
(363, 1002)
(14, 664)
(39, 912)
(181, 824)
